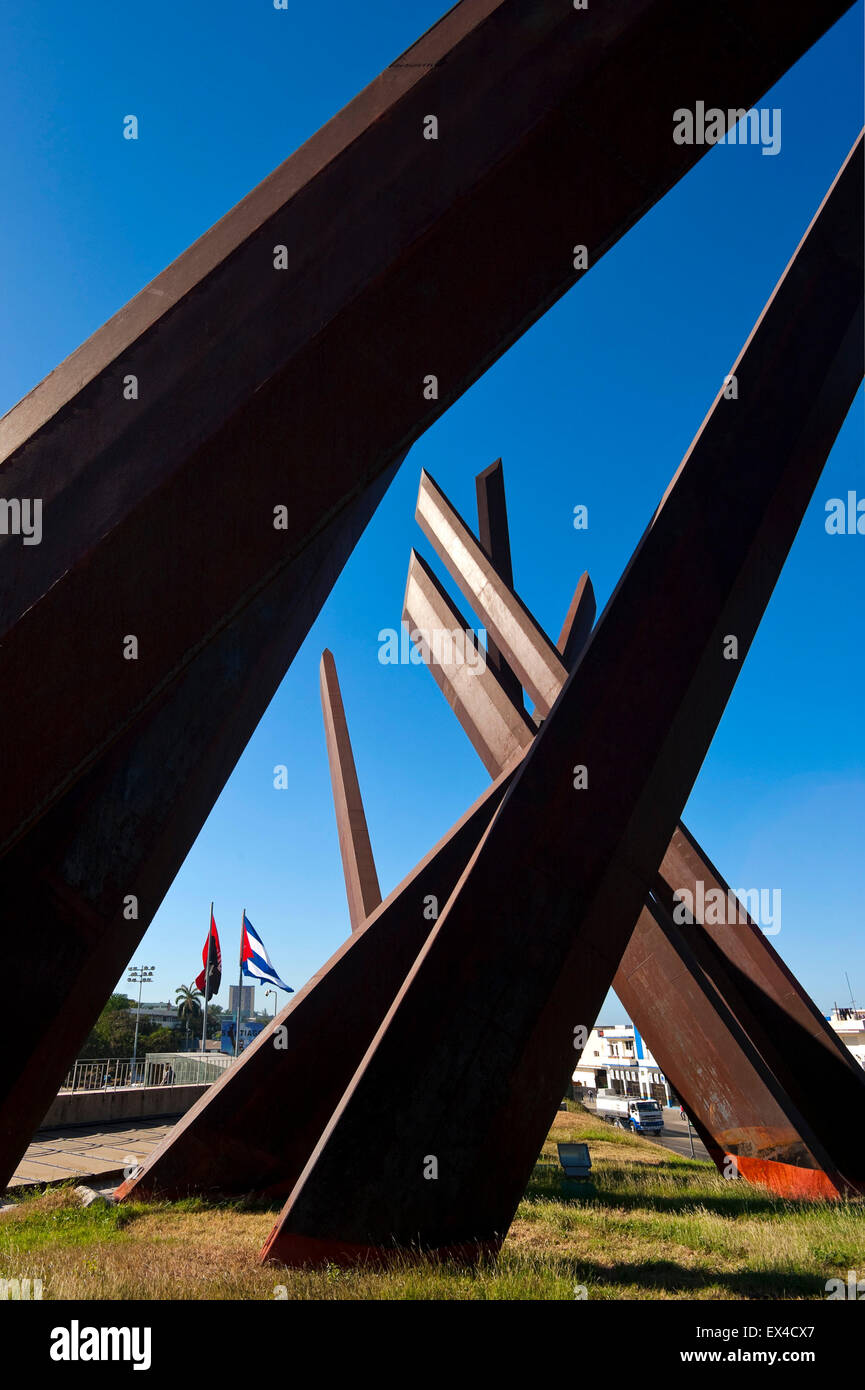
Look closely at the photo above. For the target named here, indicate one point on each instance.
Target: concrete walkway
(90, 1152)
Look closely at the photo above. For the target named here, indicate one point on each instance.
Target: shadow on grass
(617, 1187)
(248, 1205)
(665, 1276)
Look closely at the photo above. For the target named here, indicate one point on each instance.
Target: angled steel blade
(813, 1151)
(361, 879)
(499, 730)
(534, 931)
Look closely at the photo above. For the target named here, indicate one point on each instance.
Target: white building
(849, 1024)
(155, 1015)
(616, 1057)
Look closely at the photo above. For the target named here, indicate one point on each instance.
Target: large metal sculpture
(208, 459)
(264, 1142)
(532, 935)
(767, 1081)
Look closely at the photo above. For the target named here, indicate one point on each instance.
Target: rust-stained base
(308, 1252)
(788, 1180)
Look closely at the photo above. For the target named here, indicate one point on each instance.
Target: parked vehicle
(627, 1112)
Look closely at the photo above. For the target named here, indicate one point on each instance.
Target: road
(675, 1135)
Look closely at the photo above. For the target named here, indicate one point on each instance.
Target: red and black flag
(212, 958)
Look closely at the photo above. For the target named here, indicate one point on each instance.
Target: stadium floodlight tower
(140, 975)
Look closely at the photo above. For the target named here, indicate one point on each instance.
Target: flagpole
(239, 988)
(207, 979)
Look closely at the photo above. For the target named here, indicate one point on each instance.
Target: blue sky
(595, 405)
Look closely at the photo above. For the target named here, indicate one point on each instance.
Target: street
(675, 1135)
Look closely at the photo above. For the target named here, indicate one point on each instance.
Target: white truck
(642, 1116)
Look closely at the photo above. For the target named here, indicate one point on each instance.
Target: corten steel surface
(495, 541)
(737, 1103)
(513, 629)
(499, 730)
(258, 388)
(814, 1070)
(811, 1073)
(533, 934)
(714, 1066)
(126, 826)
(579, 621)
(361, 879)
(256, 1127)
(765, 977)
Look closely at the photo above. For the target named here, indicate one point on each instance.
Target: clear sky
(595, 405)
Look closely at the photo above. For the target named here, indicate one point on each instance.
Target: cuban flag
(255, 961)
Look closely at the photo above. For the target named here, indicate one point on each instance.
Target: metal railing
(116, 1073)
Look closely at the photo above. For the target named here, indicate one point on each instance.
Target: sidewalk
(91, 1152)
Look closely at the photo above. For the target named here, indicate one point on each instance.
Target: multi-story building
(247, 1000)
(849, 1024)
(616, 1058)
(155, 1016)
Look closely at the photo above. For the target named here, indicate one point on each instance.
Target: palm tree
(187, 1001)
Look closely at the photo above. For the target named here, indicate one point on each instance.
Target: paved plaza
(90, 1152)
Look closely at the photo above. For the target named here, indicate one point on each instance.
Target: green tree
(215, 1015)
(160, 1040)
(117, 1029)
(113, 1032)
(94, 1047)
(115, 1002)
(188, 1005)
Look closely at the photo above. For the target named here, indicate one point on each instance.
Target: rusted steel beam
(256, 1127)
(815, 1073)
(729, 1090)
(814, 1080)
(87, 879)
(256, 388)
(533, 934)
(499, 730)
(512, 627)
(684, 1014)
(495, 540)
(686, 1018)
(686, 866)
(193, 455)
(682, 1011)
(578, 624)
(358, 864)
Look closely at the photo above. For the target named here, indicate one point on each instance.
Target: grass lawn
(652, 1225)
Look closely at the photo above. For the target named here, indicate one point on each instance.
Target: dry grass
(651, 1226)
